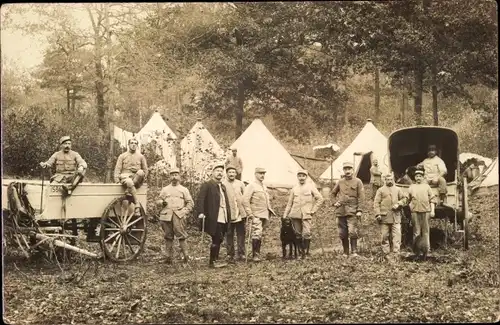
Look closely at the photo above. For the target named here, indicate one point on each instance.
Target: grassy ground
(452, 286)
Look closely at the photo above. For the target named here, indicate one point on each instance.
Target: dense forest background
(313, 71)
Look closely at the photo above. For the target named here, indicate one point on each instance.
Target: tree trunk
(109, 172)
(68, 100)
(377, 94)
(238, 112)
(419, 80)
(434, 96)
(404, 101)
(73, 100)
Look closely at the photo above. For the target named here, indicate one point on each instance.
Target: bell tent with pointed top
(199, 149)
(257, 147)
(369, 144)
(487, 182)
(156, 124)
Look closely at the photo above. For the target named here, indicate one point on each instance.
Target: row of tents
(257, 147)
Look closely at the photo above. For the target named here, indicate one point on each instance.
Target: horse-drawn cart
(37, 215)
(408, 147)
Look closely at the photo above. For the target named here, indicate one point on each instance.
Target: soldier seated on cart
(435, 170)
(130, 170)
(70, 166)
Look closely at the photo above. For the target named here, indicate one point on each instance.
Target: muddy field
(452, 286)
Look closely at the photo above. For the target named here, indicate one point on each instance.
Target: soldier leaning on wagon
(350, 194)
(234, 190)
(212, 207)
(130, 170)
(435, 170)
(70, 166)
(303, 202)
(258, 208)
(176, 203)
(422, 202)
(387, 207)
(375, 177)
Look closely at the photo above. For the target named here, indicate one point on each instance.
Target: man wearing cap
(387, 205)
(70, 166)
(422, 202)
(303, 202)
(235, 161)
(349, 194)
(176, 203)
(130, 170)
(435, 170)
(212, 207)
(258, 208)
(235, 189)
(375, 177)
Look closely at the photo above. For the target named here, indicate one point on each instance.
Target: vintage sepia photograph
(250, 162)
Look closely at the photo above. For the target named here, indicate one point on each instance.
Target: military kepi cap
(302, 171)
(216, 165)
(432, 147)
(230, 167)
(347, 164)
(64, 139)
(174, 170)
(419, 171)
(260, 170)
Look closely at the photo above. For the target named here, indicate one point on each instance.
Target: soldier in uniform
(176, 203)
(387, 207)
(130, 170)
(303, 202)
(70, 166)
(435, 170)
(258, 208)
(235, 189)
(375, 177)
(235, 161)
(349, 194)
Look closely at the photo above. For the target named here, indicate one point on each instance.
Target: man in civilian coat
(212, 207)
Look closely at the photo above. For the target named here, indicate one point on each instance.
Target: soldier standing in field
(375, 177)
(235, 189)
(235, 161)
(349, 195)
(70, 166)
(176, 203)
(130, 171)
(303, 202)
(387, 205)
(258, 209)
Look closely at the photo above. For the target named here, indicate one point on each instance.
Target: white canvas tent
(487, 182)
(157, 129)
(199, 149)
(464, 156)
(369, 144)
(257, 147)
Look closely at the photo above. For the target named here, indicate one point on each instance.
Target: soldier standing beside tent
(176, 203)
(235, 189)
(376, 177)
(303, 202)
(213, 208)
(70, 166)
(349, 193)
(130, 170)
(235, 161)
(258, 208)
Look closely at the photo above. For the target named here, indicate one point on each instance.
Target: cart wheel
(122, 237)
(465, 210)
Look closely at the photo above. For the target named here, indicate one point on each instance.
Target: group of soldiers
(226, 207)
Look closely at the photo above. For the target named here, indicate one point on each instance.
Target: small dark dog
(288, 238)
(420, 247)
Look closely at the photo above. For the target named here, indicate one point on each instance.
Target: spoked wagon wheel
(465, 212)
(122, 237)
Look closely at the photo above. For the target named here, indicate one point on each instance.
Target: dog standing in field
(420, 247)
(288, 238)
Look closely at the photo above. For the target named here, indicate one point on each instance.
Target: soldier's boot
(443, 198)
(256, 250)
(184, 250)
(76, 180)
(307, 244)
(214, 252)
(345, 246)
(354, 247)
(169, 250)
(302, 248)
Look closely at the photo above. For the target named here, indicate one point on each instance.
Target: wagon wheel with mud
(122, 237)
